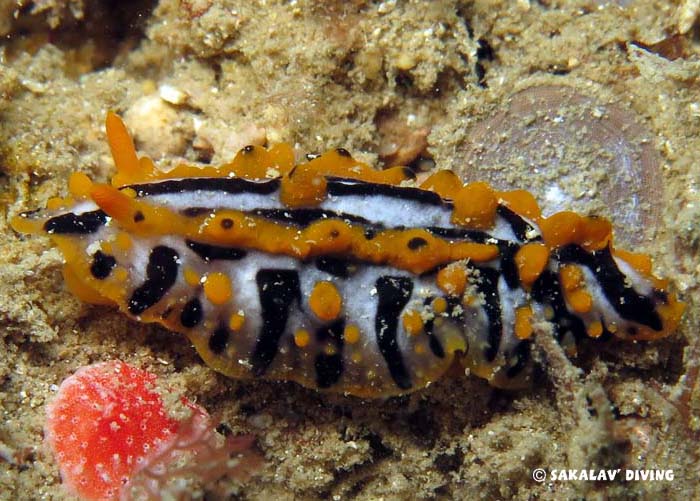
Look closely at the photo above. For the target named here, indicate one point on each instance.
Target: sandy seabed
(593, 106)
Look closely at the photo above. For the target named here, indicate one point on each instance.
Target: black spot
(416, 243)
(248, 149)
(161, 274)
(227, 223)
(87, 222)
(192, 313)
(343, 152)
(370, 234)
(218, 340)
(138, 216)
(102, 265)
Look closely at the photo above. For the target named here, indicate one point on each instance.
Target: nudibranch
(341, 277)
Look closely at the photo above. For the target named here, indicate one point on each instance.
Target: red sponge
(103, 424)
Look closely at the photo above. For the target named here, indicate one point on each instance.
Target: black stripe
(522, 354)
(277, 290)
(628, 303)
(192, 313)
(102, 265)
(161, 274)
(488, 286)
(429, 327)
(460, 234)
(520, 227)
(329, 368)
(508, 250)
(341, 187)
(87, 222)
(547, 290)
(304, 217)
(433, 341)
(210, 252)
(233, 185)
(393, 294)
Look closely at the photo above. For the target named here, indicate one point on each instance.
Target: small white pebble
(694, 109)
(386, 7)
(171, 94)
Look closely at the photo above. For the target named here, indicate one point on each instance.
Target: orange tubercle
(325, 301)
(531, 259)
(574, 283)
(303, 186)
(475, 206)
(123, 151)
(351, 334)
(521, 202)
(523, 322)
(452, 279)
(79, 185)
(237, 320)
(114, 202)
(412, 322)
(217, 288)
(640, 262)
(302, 338)
(439, 305)
(444, 182)
(563, 228)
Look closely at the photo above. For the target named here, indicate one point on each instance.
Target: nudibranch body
(343, 278)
